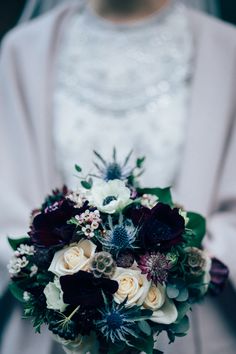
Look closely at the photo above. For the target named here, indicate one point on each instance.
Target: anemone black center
(109, 199)
(114, 321)
(120, 236)
(113, 171)
(161, 231)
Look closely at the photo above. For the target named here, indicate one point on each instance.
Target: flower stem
(73, 313)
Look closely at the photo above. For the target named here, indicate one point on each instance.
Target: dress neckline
(104, 23)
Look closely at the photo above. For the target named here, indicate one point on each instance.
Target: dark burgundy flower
(84, 289)
(162, 227)
(57, 196)
(50, 228)
(137, 213)
(219, 275)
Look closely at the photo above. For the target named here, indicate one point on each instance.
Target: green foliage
(143, 343)
(163, 194)
(140, 162)
(78, 168)
(37, 312)
(15, 243)
(16, 291)
(180, 327)
(145, 327)
(196, 229)
(86, 184)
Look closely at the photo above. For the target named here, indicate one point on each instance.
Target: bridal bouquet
(110, 266)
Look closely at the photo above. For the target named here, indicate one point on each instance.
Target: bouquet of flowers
(110, 266)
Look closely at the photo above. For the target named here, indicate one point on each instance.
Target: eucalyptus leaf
(172, 291)
(145, 327)
(183, 308)
(183, 295)
(182, 326)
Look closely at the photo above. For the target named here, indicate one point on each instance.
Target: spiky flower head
(118, 321)
(156, 266)
(113, 170)
(103, 265)
(119, 237)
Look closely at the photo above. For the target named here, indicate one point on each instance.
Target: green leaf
(182, 308)
(143, 343)
(140, 162)
(172, 291)
(86, 185)
(15, 243)
(182, 326)
(183, 295)
(16, 291)
(78, 168)
(197, 223)
(164, 194)
(156, 351)
(145, 327)
(116, 348)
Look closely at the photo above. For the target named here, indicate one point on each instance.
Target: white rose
(132, 284)
(71, 259)
(54, 296)
(110, 197)
(164, 310)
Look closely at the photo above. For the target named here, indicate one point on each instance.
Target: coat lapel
(209, 120)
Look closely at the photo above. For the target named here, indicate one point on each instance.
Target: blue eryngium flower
(113, 170)
(119, 237)
(118, 321)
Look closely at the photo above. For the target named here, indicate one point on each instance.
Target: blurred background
(13, 12)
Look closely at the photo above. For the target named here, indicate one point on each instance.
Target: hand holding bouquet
(111, 265)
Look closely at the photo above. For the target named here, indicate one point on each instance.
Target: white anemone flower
(110, 197)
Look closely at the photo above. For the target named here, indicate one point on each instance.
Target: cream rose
(54, 296)
(72, 259)
(132, 285)
(164, 310)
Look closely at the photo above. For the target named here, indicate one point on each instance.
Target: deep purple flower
(156, 266)
(50, 228)
(219, 275)
(84, 289)
(162, 227)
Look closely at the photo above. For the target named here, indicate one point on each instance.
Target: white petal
(167, 314)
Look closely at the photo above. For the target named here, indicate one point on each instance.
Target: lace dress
(125, 86)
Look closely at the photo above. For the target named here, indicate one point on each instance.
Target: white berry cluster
(89, 222)
(23, 250)
(16, 264)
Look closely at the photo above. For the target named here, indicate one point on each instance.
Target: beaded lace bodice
(124, 85)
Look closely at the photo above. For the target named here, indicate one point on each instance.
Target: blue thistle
(118, 321)
(119, 237)
(113, 170)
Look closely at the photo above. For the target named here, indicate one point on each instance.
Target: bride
(151, 76)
